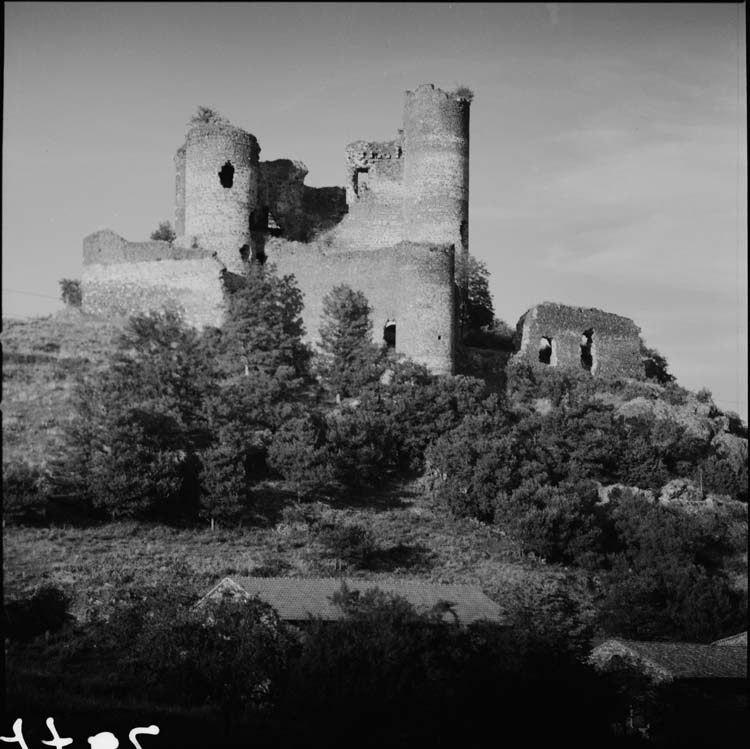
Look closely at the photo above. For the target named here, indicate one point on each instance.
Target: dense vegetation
(635, 491)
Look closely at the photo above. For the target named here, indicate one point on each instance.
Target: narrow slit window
(587, 349)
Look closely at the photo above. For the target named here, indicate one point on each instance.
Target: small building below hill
(296, 600)
(691, 694)
(668, 661)
(739, 640)
(580, 339)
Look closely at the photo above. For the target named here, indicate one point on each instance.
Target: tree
(655, 364)
(349, 358)
(478, 309)
(132, 447)
(207, 116)
(71, 292)
(263, 380)
(164, 233)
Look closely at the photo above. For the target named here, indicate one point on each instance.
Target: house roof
(678, 660)
(297, 599)
(740, 639)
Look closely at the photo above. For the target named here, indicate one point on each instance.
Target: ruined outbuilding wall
(615, 340)
(408, 284)
(220, 216)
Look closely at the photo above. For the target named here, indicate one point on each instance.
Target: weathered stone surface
(558, 330)
(394, 237)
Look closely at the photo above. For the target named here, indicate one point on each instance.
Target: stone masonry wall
(179, 191)
(614, 340)
(104, 247)
(374, 194)
(409, 285)
(191, 286)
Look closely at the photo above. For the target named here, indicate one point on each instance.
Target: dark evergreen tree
(349, 358)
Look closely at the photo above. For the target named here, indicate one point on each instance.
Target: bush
(71, 292)
(350, 543)
(164, 233)
(655, 365)
(47, 610)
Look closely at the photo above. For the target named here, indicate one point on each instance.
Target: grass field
(412, 539)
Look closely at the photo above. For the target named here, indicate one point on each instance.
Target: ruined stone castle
(398, 231)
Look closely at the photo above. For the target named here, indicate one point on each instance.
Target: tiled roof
(740, 639)
(296, 599)
(678, 660)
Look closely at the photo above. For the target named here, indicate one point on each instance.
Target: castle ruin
(398, 232)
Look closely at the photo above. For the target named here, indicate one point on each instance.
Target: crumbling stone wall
(299, 211)
(580, 339)
(192, 287)
(104, 247)
(390, 233)
(408, 285)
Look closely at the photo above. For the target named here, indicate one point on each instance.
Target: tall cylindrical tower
(179, 191)
(425, 317)
(221, 189)
(436, 171)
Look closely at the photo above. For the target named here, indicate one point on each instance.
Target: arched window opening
(389, 334)
(226, 175)
(245, 252)
(587, 352)
(545, 350)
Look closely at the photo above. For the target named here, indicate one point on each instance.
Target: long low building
(299, 599)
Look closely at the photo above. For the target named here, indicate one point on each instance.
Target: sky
(608, 141)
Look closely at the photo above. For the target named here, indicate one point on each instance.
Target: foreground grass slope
(40, 359)
(95, 564)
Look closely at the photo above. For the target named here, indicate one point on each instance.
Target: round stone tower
(221, 189)
(425, 318)
(436, 171)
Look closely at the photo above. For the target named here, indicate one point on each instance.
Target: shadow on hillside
(415, 558)
(392, 497)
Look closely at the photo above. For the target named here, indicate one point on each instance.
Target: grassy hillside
(411, 540)
(40, 359)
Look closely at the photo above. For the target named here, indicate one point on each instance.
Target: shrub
(655, 365)
(71, 292)
(164, 233)
(350, 543)
(46, 610)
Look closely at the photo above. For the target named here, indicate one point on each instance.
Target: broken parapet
(580, 339)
